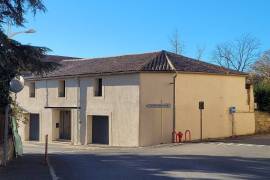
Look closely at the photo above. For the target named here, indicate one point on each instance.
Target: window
(62, 88)
(98, 87)
(32, 89)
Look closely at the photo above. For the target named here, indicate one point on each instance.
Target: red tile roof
(161, 61)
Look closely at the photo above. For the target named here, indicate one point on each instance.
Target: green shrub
(262, 96)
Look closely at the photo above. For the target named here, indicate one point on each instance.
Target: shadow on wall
(91, 166)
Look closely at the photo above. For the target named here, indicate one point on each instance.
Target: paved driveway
(212, 160)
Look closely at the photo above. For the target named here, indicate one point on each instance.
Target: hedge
(262, 96)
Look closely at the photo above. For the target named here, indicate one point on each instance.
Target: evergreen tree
(15, 57)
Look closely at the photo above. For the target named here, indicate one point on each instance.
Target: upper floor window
(62, 88)
(98, 87)
(32, 89)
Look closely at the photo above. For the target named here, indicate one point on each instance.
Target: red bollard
(179, 136)
(189, 135)
(174, 137)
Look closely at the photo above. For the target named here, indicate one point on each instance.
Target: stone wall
(262, 120)
(10, 151)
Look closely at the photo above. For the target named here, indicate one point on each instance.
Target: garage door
(100, 130)
(34, 127)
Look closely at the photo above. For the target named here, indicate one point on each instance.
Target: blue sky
(98, 28)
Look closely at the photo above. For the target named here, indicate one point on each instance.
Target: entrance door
(34, 127)
(100, 130)
(65, 125)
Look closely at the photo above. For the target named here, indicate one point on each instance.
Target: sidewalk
(27, 167)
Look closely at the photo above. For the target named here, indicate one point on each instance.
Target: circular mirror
(16, 84)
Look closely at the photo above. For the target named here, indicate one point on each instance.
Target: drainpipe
(174, 96)
(47, 98)
(78, 111)
(174, 92)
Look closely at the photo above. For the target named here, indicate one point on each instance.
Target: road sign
(232, 110)
(201, 105)
(165, 105)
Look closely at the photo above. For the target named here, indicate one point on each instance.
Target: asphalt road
(211, 160)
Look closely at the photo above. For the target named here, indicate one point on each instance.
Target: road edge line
(52, 171)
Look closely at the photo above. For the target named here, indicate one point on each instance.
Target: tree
(176, 44)
(15, 57)
(260, 76)
(261, 68)
(200, 52)
(238, 54)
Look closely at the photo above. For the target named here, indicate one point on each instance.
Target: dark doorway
(65, 125)
(34, 127)
(100, 130)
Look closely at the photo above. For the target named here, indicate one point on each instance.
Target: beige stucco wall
(124, 101)
(156, 123)
(70, 100)
(219, 93)
(55, 120)
(120, 101)
(34, 105)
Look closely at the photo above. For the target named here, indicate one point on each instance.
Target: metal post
(161, 121)
(232, 124)
(6, 135)
(46, 149)
(201, 124)
(174, 102)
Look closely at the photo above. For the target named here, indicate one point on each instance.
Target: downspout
(47, 99)
(174, 112)
(78, 111)
(174, 92)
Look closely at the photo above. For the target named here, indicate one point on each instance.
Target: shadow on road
(91, 166)
(27, 167)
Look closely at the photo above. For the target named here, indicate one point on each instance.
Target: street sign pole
(201, 123)
(232, 111)
(201, 107)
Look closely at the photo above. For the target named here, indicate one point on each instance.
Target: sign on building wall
(165, 105)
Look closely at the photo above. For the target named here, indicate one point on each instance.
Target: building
(136, 100)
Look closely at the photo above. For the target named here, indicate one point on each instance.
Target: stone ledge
(262, 122)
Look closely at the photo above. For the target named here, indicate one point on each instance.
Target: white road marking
(52, 172)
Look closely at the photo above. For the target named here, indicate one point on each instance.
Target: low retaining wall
(10, 151)
(262, 120)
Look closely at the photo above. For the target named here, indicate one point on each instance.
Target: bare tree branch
(261, 68)
(238, 54)
(200, 52)
(176, 44)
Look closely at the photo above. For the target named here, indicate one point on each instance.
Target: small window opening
(98, 87)
(62, 89)
(32, 89)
